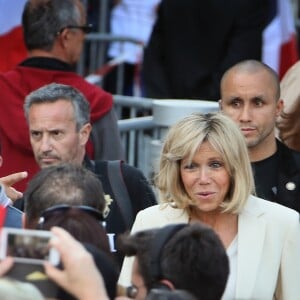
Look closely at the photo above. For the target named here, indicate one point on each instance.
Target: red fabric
(12, 49)
(280, 50)
(14, 86)
(2, 215)
(288, 55)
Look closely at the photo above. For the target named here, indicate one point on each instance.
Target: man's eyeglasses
(64, 208)
(85, 28)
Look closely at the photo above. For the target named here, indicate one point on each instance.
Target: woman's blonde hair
(182, 142)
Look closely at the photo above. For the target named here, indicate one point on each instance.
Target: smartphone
(27, 246)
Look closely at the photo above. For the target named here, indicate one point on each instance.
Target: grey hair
(43, 19)
(53, 92)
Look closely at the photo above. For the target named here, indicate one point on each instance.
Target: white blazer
(268, 258)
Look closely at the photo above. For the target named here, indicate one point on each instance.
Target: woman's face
(205, 179)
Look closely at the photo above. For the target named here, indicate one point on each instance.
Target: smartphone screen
(27, 246)
(31, 246)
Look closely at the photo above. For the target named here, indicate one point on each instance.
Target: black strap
(120, 190)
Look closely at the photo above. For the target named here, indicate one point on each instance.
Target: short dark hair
(252, 66)
(42, 20)
(62, 184)
(193, 259)
(160, 294)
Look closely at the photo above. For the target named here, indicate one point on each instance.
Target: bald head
(250, 95)
(252, 67)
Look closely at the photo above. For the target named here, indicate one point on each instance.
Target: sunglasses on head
(62, 208)
(85, 28)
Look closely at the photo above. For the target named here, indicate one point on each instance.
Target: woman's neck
(224, 224)
(210, 218)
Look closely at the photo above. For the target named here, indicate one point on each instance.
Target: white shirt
(134, 19)
(232, 252)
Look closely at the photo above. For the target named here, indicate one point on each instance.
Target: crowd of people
(225, 224)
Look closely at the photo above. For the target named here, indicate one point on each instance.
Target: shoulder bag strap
(120, 191)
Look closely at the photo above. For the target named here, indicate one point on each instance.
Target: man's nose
(46, 144)
(245, 114)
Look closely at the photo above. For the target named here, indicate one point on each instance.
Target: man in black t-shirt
(250, 95)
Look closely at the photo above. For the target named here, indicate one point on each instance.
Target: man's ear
(23, 220)
(279, 107)
(220, 104)
(167, 283)
(84, 133)
(63, 38)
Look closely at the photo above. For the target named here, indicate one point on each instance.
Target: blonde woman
(205, 176)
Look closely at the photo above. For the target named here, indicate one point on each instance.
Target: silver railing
(94, 56)
(137, 133)
(142, 135)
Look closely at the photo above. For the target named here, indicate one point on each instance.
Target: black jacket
(287, 190)
(139, 191)
(193, 42)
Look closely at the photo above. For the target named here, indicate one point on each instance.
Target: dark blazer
(139, 191)
(288, 189)
(193, 42)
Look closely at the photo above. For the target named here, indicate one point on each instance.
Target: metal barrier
(137, 135)
(137, 132)
(134, 104)
(142, 136)
(94, 60)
